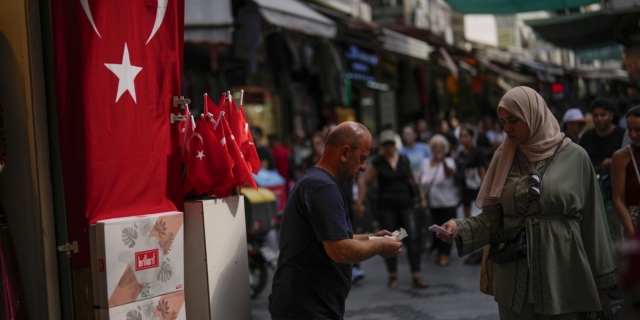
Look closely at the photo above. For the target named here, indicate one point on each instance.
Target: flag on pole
(209, 168)
(241, 172)
(240, 128)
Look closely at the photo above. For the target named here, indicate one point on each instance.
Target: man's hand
(605, 303)
(389, 248)
(383, 233)
(606, 162)
(450, 226)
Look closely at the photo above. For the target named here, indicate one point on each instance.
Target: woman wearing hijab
(540, 181)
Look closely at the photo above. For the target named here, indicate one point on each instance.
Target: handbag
(472, 178)
(510, 244)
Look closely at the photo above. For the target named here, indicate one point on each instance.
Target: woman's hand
(605, 303)
(450, 226)
(423, 203)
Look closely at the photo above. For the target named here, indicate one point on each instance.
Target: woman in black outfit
(472, 167)
(396, 204)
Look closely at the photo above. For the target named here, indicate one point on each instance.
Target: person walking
(542, 186)
(625, 175)
(573, 123)
(605, 138)
(396, 204)
(471, 169)
(414, 150)
(317, 244)
(437, 182)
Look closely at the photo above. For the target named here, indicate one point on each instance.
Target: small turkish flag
(241, 172)
(240, 128)
(210, 166)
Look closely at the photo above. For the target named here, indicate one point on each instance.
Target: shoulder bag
(510, 244)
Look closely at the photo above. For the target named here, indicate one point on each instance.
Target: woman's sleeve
(475, 232)
(595, 232)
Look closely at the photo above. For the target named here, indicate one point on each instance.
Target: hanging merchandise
(116, 70)
(218, 119)
(240, 129)
(215, 162)
(209, 166)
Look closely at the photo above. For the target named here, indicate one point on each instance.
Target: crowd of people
(589, 197)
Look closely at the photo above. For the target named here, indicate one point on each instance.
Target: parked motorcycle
(263, 222)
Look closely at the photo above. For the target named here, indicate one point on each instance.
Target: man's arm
(349, 251)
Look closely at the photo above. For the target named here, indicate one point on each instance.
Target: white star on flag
(200, 155)
(126, 73)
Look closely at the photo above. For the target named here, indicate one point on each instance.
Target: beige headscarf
(528, 106)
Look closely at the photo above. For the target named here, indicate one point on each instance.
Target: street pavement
(453, 294)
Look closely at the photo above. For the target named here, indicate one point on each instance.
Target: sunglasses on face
(388, 144)
(534, 186)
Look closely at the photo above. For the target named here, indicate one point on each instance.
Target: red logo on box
(101, 265)
(147, 259)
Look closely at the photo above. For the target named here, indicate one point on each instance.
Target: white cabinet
(216, 261)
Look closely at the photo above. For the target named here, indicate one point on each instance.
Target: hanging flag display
(240, 129)
(214, 163)
(117, 67)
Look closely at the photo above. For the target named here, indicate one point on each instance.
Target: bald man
(317, 244)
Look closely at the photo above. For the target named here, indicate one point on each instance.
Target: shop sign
(360, 64)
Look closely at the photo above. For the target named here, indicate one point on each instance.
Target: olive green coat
(570, 252)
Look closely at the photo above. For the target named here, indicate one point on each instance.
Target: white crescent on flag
(87, 10)
(162, 9)
(197, 135)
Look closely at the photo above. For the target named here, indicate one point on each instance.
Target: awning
(612, 52)
(514, 6)
(399, 43)
(208, 21)
(297, 16)
(520, 78)
(576, 31)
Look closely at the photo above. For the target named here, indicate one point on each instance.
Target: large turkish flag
(117, 67)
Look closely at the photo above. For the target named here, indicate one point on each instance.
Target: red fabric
(209, 167)
(241, 172)
(240, 128)
(281, 155)
(120, 155)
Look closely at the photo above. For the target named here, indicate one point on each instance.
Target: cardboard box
(166, 307)
(138, 258)
(217, 267)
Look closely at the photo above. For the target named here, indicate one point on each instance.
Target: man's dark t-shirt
(600, 148)
(307, 284)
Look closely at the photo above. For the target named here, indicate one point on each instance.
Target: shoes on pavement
(393, 282)
(444, 260)
(356, 275)
(419, 283)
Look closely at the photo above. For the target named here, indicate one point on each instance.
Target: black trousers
(440, 217)
(393, 219)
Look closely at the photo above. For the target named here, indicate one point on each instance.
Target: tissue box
(137, 258)
(166, 307)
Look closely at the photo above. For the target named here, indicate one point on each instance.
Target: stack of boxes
(138, 267)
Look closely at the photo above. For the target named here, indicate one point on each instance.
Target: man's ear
(344, 153)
